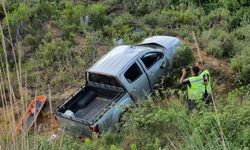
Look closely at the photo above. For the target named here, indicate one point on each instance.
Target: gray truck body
(122, 77)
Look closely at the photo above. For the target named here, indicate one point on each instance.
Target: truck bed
(93, 109)
(88, 103)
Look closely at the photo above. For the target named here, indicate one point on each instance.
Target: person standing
(195, 85)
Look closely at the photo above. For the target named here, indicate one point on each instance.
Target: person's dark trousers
(191, 105)
(207, 98)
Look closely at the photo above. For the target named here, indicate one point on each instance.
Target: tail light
(95, 128)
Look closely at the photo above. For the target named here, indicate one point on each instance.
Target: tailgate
(74, 126)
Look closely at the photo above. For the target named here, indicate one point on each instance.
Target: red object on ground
(30, 116)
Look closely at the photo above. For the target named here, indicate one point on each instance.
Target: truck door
(136, 82)
(155, 65)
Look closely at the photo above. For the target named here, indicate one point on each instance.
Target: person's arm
(184, 72)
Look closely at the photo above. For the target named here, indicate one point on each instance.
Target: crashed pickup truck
(121, 78)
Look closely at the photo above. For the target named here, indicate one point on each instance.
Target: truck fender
(112, 116)
(120, 108)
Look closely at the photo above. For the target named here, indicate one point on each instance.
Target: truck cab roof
(119, 57)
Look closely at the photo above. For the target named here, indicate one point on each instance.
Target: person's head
(195, 71)
(199, 64)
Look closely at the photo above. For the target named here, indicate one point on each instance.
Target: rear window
(103, 79)
(133, 73)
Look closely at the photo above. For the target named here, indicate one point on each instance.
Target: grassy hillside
(47, 45)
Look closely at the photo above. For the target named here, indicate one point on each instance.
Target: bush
(217, 42)
(120, 26)
(214, 48)
(151, 19)
(241, 38)
(97, 15)
(166, 123)
(234, 117)
(219, 18)
(46, 10)
(18, 19)
(20, 14)
(55, 53)
(240, 63)
(71, 19)
(142, 124)
(30, 39)
(183, 57)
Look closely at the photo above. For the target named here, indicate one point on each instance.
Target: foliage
(234, 117)
(71, 19)
(46, 10)
(151, 19)
(219, 18)
(18, 19)
(241, 38)
(97, 15)
(57, 41)
(218, 42)
(20, 14)
(186, 130)
(182, 57)
(55, 52)
(240, 63)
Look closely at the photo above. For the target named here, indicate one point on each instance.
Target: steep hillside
(47, 45)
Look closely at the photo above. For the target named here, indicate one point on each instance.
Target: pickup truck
(121, 78)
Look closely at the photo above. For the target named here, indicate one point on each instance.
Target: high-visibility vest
(196, 89)
(208, 85)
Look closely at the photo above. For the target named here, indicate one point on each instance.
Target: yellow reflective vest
(208, 85)
(196, 89)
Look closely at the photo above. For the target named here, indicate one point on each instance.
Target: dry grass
(14, 103)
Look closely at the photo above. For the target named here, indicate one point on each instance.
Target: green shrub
(217, 42)
(90, 50)
(214, 48)
(20, 14)
(173, 18)
(235, 119)
(71, 19)
(97, 15)
(18, 20)
(137, 7)
(72, 14)
(240, 63)
(123, 19)
(219, 18)
(241, 38)
(55, 53)
(46, 10)
(31, 40)
(151, 19)
(69, 31)
(120, 26)
(182, 57)
(231, 5)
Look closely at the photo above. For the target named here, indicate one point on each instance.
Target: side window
(133, 73)
(151, 58)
